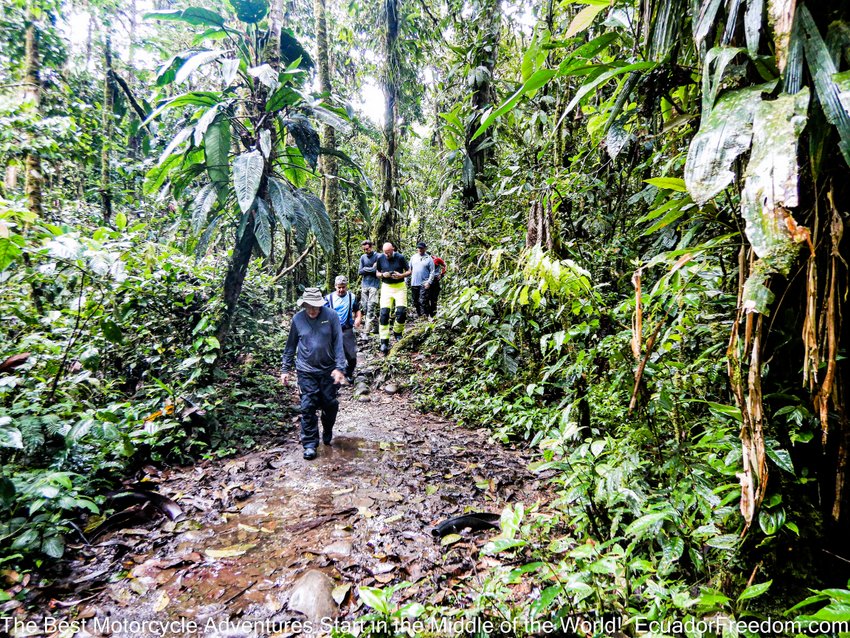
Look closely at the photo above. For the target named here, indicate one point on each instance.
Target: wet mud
(362, 513)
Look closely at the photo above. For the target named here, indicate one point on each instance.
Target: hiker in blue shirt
(314, 350)
(347, 308)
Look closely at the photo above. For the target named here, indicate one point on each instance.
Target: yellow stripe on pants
(392, 296)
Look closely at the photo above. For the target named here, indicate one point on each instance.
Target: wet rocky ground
(270, 544)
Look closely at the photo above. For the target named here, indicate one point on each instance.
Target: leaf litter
(362, 514)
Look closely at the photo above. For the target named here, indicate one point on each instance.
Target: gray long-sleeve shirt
(367, 270)
(314, 346)
(422, 270)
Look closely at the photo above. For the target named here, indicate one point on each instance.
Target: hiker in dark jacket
(314, 350)
(369, 286)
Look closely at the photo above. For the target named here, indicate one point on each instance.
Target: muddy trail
(270, 544)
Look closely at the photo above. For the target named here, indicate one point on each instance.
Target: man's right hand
(284, 378)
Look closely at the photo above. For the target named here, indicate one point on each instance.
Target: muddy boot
(309, 453)
(385, 346)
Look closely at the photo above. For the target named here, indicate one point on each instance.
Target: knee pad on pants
(401, 314)
(385, 316)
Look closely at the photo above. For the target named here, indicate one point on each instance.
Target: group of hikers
(322, 343)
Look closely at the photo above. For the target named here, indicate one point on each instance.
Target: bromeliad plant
(248, 149)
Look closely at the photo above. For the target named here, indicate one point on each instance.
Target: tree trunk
(32, 93)
(235, 278)
(328, 166)
(106, 132)
(385, 229)
(480, 151)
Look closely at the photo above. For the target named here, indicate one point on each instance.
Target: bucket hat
(311, 297)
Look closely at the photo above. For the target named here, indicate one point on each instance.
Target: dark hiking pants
(433, 295)
(318, 392)
(420, 300)
(349, 345)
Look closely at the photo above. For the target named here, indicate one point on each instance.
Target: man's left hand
(338, 377)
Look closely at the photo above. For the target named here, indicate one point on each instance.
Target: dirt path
(362, 514)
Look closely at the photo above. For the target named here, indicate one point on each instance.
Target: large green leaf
(207, 236)
(263, 227)
(195, 62)
(282, 203)
(155, 177)
(168, 70)
(10, 436)
(718, 59)
(204, 123)
(216, 156)
(705, 19)
(584, 19)
(823, 70)
(204, 201)
(592, 85)
(306, 138)
(9, 252)
(247, 175)
(536, 81)
(250, 11)
(192, 15)
(770, 188)
(320, 222)
(723, 136)
(283, 97)
(182, 135)
(193, 98)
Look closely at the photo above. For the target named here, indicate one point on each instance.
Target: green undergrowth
(112, 362)
(645, 521)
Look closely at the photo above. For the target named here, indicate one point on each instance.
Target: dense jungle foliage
(642, 205)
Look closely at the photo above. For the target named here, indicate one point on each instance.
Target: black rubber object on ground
(476, 521)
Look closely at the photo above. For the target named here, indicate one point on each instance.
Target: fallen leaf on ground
(229, 552)
(340, 592)
(162, 602)
(450, 539)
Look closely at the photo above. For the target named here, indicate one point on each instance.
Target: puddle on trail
(361, 513)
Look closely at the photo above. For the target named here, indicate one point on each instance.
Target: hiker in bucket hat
(314, 350)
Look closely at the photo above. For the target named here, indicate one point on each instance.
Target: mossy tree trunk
(329, 166)
(385, 229)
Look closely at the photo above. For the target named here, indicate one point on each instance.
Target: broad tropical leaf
(823, 71)
(305, 137)
(584, 19)
(723, 136)
(192, 15)
(195, 62)
(216, 155)
(332, 119)
(194, 98)
(320, 223)
(770, 188)
(204, 123)
(229, 68)
(204, 241)
(263, 227)
(282, 203)
(250, 11)
(247, 174)
(204, 201)
(266, 75)
(183, 135)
